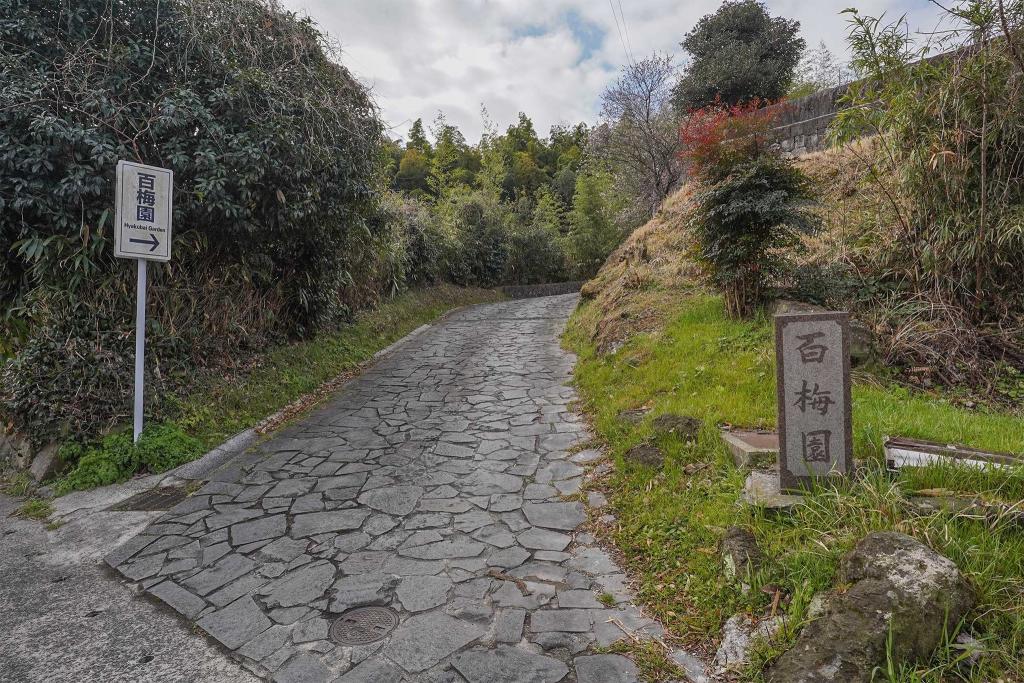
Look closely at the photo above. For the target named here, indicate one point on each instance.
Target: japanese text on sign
(812, 352)
(143, 212)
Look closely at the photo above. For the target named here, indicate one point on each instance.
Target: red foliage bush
(718, 137)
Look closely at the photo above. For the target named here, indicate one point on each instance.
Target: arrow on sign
(152, 242)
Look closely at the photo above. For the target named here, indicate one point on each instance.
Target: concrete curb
(415, 333)
(219, 455)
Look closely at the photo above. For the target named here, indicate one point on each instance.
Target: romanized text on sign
(143, 212)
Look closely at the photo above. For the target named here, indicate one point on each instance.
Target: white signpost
(142, 231)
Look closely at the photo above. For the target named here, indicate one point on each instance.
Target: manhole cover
(363, 625)
(155, 499)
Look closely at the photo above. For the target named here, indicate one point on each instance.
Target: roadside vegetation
(288, 378)
(294, 214)
(887, 225)
(670, 521)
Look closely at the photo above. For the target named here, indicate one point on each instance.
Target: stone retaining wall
(548, 289)
(802, 123)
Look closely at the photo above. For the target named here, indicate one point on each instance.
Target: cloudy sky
(548, 58)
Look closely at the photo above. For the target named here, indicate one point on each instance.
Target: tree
(277, 157)
(481, 224)
(413, 172)
(739, 53)
(639, 139)
(819, 69)
(520, 151)
(537, 253)
(275, 147)
(751, 204)
(447, 168)
(595, 233)
(418, 138)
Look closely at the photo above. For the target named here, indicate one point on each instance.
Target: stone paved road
(432, 484)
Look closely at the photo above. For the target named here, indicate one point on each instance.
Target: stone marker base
(752, 449)
(762, 489)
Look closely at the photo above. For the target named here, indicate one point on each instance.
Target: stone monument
(812, 353)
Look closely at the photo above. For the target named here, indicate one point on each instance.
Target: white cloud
(550, 59)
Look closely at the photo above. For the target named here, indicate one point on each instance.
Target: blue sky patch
(589, 35)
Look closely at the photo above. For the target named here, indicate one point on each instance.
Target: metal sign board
(142, 227)
(812, 353)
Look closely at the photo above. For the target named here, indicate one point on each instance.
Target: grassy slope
(693, 360)
(670, 522)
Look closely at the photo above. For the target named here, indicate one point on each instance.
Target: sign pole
(143, 233)
(140, 347)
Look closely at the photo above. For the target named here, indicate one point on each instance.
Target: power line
(622, 41)
(625, 29)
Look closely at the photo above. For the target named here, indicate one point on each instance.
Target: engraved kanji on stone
(814, 398)
(809, 351)
(817, 446)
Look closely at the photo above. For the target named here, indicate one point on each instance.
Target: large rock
(740, 634)
(897, 584)
(16, 449)
(46, 464)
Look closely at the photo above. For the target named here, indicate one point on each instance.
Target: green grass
(35, 508)
(670, 523)
(17, 484)
(651, 660)
(160, 447)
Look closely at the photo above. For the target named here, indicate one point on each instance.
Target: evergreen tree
(418, 138)
(740, 53)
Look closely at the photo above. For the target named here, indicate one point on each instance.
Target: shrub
(947, 155)
(74, 377)
(274, 146)
(278, 228)
(481, 225)
(744, 220)
(116, 458)
(430, 249)
(716, 138)
(537, 251)
(536, 255)
(752, 205)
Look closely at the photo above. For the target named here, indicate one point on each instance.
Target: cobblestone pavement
(433, 484)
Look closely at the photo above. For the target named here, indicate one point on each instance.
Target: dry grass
(920, 342)
(640, 281)
(849, 206)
